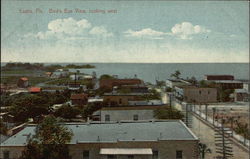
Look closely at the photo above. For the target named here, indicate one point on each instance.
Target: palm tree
(203, 149)
(176, 75)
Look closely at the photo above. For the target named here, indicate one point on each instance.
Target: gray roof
(114, 132)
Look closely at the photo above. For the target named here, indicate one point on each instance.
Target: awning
(126, 151)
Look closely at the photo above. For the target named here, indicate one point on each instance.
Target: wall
(116, 115)
(200, 95)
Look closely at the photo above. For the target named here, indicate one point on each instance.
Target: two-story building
(196, 94)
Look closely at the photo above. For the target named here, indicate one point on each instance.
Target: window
(179, 154)
(200, 92)
(85, 154)
(120, 101)
(208, 92)
(136, 117)
(130, 157)
(6, 154)
(112, 157)
(155, 155)
(107, 117)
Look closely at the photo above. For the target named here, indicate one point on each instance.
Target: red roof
(24, 79)
(79, 96)
(34, 89)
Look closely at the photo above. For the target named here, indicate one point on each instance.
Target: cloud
(148, 32)
(69, 28)
(100, 30)
(186, 30)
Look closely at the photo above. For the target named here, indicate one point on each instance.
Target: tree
(176, 75)
(106, 76)
(3, 128)
(49, 141)
(67, 112)
(168, 113)
(203, 149)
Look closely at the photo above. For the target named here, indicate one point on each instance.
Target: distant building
(110, 83)
(35, 90)
(76, 77)
(229, 84)
(218, 77)
(23, 82)
(74, 86)
(241, 95)
(48, 74)
(138, 88)
(196, 94)
(120, 99)
(59, 74)
(118, 140)
(79, 99)
(127, 113)
(177, 82)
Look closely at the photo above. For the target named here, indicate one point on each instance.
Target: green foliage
(3, 128)
(124, 90)
(67, 112)
(49, 141)
(160, 83)
(153, 95)
(242, 129)
(176, 75)
(24, 106)
(79, 66)
(168, 113)
(106, 76)
(90, 109)
(19, 65)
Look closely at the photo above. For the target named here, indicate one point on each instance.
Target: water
(149, 72)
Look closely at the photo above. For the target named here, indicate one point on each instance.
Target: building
(79, 99)
(120, 99)
(196, 94)
(23, 82)
(170, 83)
(76, 77)
(127, 113)
(75, 86)
(119, 140)
(110, 83)
(241, 95)
(138, 88)
(218, 77)
(229, 84)
(59, 74)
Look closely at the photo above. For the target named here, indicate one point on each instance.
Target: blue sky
(140, 31)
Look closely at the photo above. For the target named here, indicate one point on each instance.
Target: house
(170, 83)
(120, 99)
(196, 94)
(241, 95)
(35, 90)
(23, 82)
(127, 113)
(79, 99)
(118, 140)
(110, 83)
(218, 77)
(48, 74)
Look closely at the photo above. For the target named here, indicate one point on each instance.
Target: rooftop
(34, 89)
(114, 132)
(24, 79)
(141, 107)
(227, 81)
(123, 94)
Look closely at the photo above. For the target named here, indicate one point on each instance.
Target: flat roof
(136, 107)
(113, 132)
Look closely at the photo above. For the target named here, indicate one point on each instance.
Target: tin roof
(113, 132)
(34, 89)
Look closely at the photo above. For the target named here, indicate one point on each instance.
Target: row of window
(86, 155)
(135, 117)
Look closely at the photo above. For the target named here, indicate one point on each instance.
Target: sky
(120, 31)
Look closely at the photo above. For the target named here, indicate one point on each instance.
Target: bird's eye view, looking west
(121, 79)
